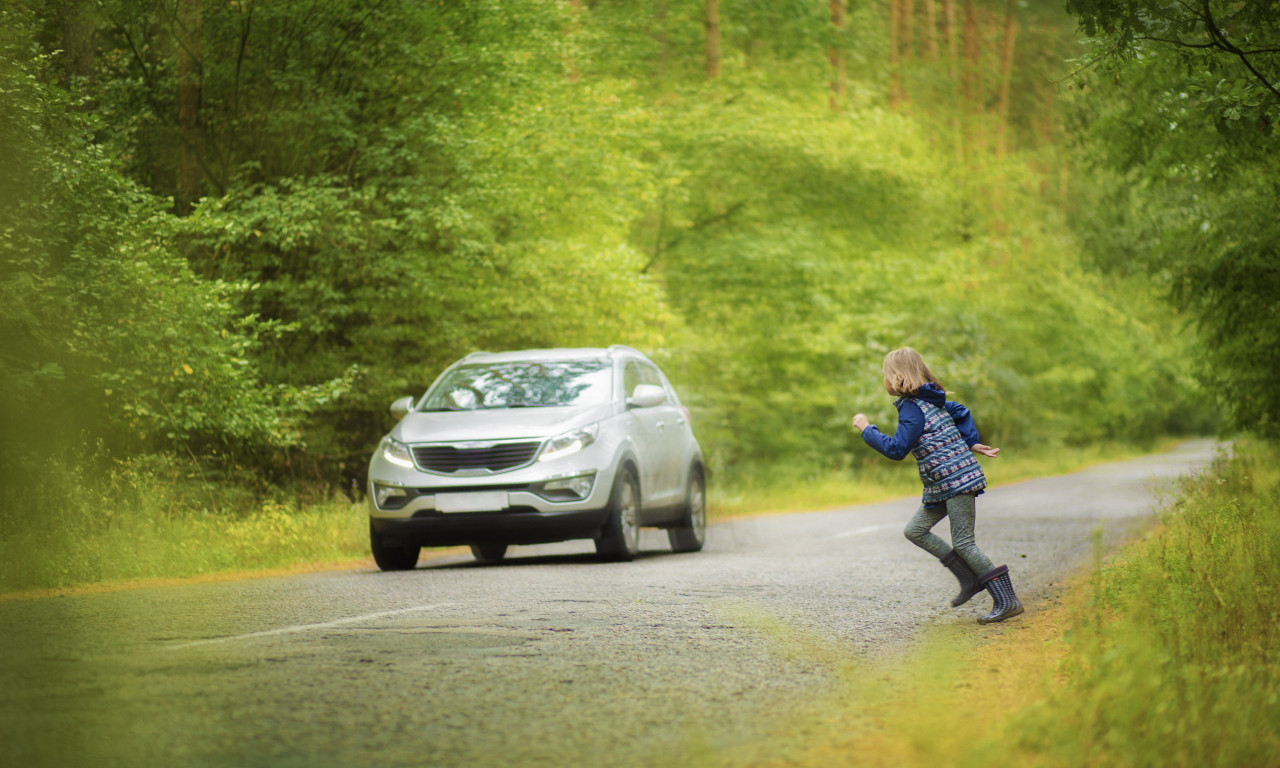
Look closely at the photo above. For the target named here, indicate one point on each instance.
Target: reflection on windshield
(522, 385)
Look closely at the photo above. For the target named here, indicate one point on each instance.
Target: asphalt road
(548, 659)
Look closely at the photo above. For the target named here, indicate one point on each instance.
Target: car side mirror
(647, 396)
(401, 407)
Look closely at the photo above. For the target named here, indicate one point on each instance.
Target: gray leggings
(962, 511)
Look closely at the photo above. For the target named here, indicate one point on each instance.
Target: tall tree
(711, 22)
(837, 54)
(895, 54)
(189, 28)
(575, 24)
(1006, 76)
(1180, 127)
(78, 47)
(931, 29)
(974, 98)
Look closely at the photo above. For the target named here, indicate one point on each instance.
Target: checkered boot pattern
(1005, 600)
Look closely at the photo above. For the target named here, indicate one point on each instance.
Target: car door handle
(661, 425)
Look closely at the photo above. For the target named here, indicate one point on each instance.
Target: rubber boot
(1005, 600)
(969, 583)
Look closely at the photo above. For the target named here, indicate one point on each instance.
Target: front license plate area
(471, 501)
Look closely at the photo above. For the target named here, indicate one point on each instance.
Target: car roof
(564, 353)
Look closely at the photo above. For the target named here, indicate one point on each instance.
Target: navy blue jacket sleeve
(964, 422)
(910, 428)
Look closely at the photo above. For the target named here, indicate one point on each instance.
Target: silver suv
(534, 447)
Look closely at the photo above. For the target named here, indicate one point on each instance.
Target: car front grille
(495, 458)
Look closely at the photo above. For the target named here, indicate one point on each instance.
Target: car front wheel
(620, 539)
(392, 558)
(692, 533)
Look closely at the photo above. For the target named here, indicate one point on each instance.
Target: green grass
(160, 518)
(1175, 656)
(788, 489)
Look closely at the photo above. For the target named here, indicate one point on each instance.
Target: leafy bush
(110, 336)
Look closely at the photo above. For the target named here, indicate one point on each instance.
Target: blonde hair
(905, 372)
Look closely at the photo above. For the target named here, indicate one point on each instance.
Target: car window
(650, 375)
(631, 378)
(524, 384)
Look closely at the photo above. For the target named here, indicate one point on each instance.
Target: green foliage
(1179, 129)
(389, 185)
(109, 335)
(1173, 662)
(161, 517)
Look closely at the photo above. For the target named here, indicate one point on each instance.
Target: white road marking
(868, 529)
(308, 627)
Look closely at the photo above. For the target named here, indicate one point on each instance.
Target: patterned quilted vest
(947, 467)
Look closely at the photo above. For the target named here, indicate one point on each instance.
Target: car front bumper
(408, 506)
(514, 526)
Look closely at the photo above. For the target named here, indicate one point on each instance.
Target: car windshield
(523, 384)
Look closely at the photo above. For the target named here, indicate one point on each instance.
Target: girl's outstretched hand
(861, 422)
(985, 450)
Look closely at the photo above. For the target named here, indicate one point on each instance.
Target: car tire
(620, 539)
(489, 553)
(692, 533)
(392, 558)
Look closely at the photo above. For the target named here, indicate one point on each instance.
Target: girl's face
(887, 388)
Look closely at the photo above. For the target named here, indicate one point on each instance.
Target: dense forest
(233, 231)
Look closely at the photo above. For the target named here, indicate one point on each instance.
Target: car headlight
(568, 444)
(397, 453)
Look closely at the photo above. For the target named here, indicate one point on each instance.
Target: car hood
(498, 424)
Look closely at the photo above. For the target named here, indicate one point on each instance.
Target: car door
(648, 432)
(671, 426)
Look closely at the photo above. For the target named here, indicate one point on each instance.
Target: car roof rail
(625, 348)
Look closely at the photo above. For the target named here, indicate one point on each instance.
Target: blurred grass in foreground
(1165, 656)
(157, 518)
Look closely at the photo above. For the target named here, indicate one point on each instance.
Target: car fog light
(389, 497)
(569, 488)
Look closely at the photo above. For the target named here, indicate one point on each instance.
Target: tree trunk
(895, 83)
(908, 19)
(190, 30)
(711, 20)
(953, 71)
(949, 31)
(973, 97)
(660, 36)
(575, 17)
(78, 29)
(930, 30)
(837, 55)
(1006, 75)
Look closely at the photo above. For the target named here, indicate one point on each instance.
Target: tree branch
(1226, 45)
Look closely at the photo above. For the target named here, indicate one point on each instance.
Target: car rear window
(541, 384)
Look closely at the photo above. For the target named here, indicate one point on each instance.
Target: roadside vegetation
(233, 233)
(1163, 655)
(160, 519)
